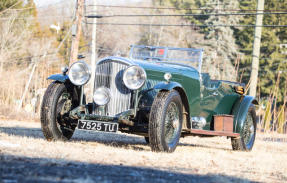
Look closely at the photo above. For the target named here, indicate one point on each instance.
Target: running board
(212, 133)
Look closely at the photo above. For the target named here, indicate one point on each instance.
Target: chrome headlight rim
(105, 91)
(87, 69)
(143, 75)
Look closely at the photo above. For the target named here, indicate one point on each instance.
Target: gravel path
(25, 156)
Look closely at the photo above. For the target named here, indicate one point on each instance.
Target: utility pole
(27, 85)
(94, 47)
(256, 48)
(77, 31)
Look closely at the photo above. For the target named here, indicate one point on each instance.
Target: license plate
(98, 126)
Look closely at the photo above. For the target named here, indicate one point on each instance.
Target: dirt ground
(98, 157)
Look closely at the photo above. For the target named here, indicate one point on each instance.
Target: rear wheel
(56, 105)
(165, 121)
(247, 135)
(146, 139)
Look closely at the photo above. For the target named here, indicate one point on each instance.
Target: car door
(210, 98)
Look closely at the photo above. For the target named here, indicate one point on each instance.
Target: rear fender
(240, 110)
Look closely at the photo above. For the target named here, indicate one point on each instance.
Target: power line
(184, 25)
(28, 8)
(27, 59)
(32, 18)
(175, 8)
(48, 54)
(186, 15)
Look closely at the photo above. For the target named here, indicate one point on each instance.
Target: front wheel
(165, 121)
(58, 101)
(247, 135)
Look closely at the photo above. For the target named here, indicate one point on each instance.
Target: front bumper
(125, 117)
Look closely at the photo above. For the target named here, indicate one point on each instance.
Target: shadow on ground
(79, 135)
(112, 139)
(24, 169)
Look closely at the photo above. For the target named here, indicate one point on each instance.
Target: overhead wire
(185, 15)
(164, 15)
(266, 12)
(27, 8)
(32, 18)
(176, 8)
(17, 59)
(184, 25)
(30, 8)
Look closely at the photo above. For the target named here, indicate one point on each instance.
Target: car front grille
(109, 74)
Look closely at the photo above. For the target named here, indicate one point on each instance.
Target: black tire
(146, 139)
(248, 133)
(58, 100)
(165, 128)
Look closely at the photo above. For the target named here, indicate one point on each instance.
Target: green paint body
(240, 111)
(205, 97)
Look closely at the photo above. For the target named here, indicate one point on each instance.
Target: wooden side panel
(223, 123)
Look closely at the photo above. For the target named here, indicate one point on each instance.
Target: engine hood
(159, 68)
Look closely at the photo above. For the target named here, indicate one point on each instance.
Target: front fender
(76, 90)
(59, 77)
(240, 110)
(167, 85)
(147, 96)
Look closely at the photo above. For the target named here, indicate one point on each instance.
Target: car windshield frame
(151, 53)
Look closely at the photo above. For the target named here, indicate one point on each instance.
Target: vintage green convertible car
(158, 92)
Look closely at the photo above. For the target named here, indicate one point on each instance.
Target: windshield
(188, 56)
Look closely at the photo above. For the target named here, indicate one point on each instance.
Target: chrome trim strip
(119, 59)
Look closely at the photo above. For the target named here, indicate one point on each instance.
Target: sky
(110, 2)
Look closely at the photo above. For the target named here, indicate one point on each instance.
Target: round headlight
(102, 96)
(79, 73)
(134, 77)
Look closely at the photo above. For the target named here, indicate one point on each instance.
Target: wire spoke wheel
(58, 101)
(165, 121)
(64, 105)
(171, 123)
(248, 129)
(247, 133)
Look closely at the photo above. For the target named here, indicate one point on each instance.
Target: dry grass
(194, 155)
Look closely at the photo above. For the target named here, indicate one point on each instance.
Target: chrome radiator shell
(109, 73)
